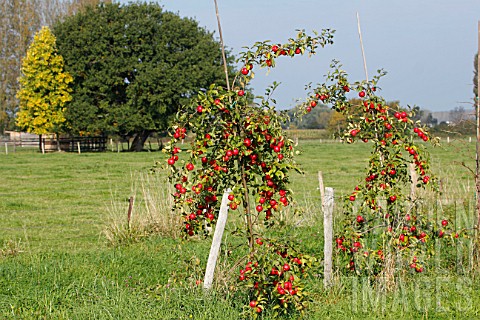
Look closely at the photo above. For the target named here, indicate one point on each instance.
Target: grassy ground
(56, 262)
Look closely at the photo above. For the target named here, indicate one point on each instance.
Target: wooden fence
(45, 144)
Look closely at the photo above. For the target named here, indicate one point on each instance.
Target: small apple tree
(384, 228)
(238, 144)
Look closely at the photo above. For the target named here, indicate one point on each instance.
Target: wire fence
(82, 212)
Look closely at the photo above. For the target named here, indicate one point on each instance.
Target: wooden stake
(322, 189)
(328, 237)
(78, 147)
(217, 240)
(129, 213)
(6, 148)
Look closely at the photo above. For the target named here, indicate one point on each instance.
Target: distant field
(54, 207)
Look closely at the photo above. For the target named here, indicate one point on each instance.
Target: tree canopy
(134, 65)
(44, 86)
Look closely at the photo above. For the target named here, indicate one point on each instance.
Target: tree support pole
(216, 242)
(477, 157)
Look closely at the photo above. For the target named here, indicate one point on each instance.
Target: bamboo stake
(361, 45)
(224, 57)
(477, 155)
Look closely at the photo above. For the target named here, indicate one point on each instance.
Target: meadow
(64, 254)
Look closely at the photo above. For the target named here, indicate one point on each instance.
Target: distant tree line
(322, 117)
(460, 121)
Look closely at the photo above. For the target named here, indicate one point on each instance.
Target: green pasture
(56, 262)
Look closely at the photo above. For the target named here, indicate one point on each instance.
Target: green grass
(60, 200)
(55, 206)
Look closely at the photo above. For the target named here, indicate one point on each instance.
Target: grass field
(56, 262)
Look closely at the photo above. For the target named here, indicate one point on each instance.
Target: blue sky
(426, 47)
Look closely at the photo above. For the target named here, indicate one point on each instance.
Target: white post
(217, 240)
(6, 147)
(448, 139)
(322, 189)
(43, 146)
(328, 237)
(78, 147)
(111, 143)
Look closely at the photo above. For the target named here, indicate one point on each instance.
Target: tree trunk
(139, 141)
(58, 142)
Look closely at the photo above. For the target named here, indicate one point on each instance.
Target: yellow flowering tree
(44, 87)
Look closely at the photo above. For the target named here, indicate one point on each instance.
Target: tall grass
(150, 211)
(11, 248)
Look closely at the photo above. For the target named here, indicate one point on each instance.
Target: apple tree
(383, 228)
(240, 145)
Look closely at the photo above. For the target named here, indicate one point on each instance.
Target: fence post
(6, 147)
(328, 237)
(217, 240)
(78, 147)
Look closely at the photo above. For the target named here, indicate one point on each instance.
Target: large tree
(44, 87)
(134, 65)
(19, 21)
